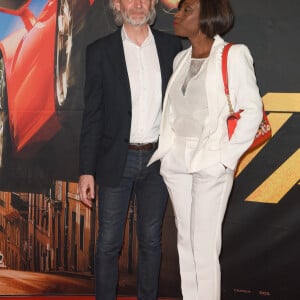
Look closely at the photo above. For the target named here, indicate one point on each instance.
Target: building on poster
(43, 226)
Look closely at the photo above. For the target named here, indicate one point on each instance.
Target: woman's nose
(176, 15)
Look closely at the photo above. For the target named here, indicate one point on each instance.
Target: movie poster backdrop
(47, 237)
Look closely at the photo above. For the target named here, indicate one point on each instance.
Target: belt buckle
(141, 146)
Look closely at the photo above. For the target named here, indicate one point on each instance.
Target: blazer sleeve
(92, 118)
(244, 95)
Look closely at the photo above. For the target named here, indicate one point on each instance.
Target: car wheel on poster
(4, 126)
(63, 50)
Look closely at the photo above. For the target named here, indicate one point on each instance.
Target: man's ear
(117, 4)
(153, 3)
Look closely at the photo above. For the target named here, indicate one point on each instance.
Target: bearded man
(126, 77)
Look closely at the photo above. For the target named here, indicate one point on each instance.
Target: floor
(70, 298)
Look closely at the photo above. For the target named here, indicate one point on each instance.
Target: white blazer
(244, 95)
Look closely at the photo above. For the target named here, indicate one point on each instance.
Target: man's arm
(91, 130)
(92, 118)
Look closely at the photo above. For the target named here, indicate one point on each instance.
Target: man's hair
(119, 18)
(216, 16)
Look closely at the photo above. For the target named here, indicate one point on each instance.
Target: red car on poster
(34, 74)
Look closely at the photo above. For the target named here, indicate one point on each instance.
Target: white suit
(199, 173)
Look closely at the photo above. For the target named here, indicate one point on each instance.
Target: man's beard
(135, 22)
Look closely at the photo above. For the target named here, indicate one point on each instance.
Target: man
(126, 77)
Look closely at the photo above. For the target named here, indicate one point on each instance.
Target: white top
(189, 101)
(145, 84)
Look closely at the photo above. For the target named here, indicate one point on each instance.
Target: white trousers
(199, 201)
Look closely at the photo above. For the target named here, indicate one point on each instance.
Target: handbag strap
(225, 75)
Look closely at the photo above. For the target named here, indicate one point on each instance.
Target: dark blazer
(106, 117)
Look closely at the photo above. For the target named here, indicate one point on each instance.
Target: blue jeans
(151, 199)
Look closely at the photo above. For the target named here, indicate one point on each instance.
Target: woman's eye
(187, 9)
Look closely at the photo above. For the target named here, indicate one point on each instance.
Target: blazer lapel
(212, 74)
(162, 60)
(118, 63)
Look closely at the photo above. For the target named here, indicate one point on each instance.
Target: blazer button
(129, 113)
(126, 140)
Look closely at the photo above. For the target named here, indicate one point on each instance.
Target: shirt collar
(149, 39)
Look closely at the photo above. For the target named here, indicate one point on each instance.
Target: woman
(198, 159)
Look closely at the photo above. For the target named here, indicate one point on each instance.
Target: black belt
(141, 146)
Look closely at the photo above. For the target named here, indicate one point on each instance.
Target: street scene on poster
(48, 237)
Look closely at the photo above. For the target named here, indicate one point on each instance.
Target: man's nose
(138, 3)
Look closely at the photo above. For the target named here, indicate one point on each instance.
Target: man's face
(135, 12)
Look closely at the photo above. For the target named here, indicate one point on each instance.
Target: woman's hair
(216, 16)
(119, 18)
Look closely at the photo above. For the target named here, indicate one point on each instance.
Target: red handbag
(264, 131)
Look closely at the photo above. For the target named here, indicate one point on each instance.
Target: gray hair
(119, 18)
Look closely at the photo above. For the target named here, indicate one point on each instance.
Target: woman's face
(186, 20)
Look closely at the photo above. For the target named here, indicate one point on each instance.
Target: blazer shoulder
(180, 55)
(165, 36)
(239, 53)
(239, 49)
(105, 41)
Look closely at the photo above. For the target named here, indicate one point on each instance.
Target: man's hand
(86, 186)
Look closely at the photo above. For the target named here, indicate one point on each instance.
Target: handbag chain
(225, 76)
